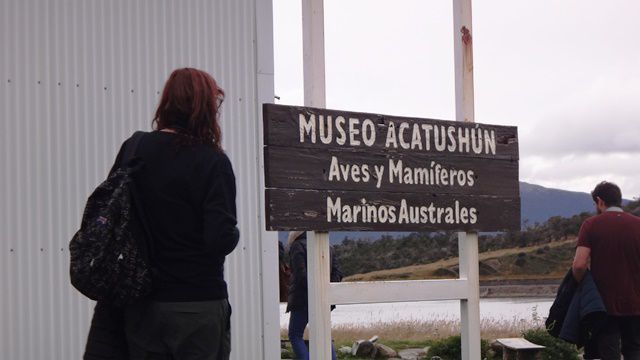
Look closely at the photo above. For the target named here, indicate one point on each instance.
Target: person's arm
(580, 262)
(220, 231)
(583, 252)
(336, 274)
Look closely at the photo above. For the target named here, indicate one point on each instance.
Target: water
(490, 309)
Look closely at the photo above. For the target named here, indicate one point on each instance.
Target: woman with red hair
(186, 188)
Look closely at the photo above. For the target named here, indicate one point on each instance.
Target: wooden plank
(518, 344)
(371, 292)
(292, 209)
(383, 171)
(282, 126)
(419, 161)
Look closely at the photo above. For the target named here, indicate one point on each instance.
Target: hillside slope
(537, 253)
(538, 262)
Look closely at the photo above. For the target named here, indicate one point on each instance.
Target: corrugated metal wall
(76, 78)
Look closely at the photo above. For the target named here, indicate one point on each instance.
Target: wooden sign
(338, 170)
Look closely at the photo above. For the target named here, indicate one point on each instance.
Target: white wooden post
(318, 265)
(470, 307)
(318, 278)
(467, 242)
(313, 53)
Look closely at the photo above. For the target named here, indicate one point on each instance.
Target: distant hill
(538, 204)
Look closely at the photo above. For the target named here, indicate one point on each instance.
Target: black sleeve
(220, 232)
(298, 261)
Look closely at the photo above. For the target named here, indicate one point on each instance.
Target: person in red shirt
(610, 242)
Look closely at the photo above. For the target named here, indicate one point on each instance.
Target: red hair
(189, 105)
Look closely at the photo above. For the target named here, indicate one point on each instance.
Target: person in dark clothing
(284, 273)
(610, 241)
(297, 303)
(187, 193)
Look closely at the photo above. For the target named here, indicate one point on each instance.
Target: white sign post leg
(318, 277)
(470, 307)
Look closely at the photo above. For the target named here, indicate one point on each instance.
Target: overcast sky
(565, 72)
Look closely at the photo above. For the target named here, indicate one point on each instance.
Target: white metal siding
(76, 78)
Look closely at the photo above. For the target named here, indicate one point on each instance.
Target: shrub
(450, 348)
(556, 349)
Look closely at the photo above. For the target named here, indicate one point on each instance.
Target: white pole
(470, 307)
(318, 265)
(467, 242)
(269, 268)
(463, 52)
(313, 53)
(318, 277)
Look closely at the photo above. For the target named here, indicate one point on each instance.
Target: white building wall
(76, 78)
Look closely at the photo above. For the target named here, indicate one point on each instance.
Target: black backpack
(109, 255)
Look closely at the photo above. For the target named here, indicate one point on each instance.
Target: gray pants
(179, 330)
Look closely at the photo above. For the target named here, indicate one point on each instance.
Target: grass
(410, 333)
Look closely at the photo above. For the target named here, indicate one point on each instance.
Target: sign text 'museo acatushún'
(329, 170)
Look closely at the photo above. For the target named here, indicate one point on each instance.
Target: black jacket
(298, 292)
(586, 313)
(561, 304)
(188, 195)
(577, 313)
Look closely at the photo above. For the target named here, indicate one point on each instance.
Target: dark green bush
(556, 349)
(450, 348)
